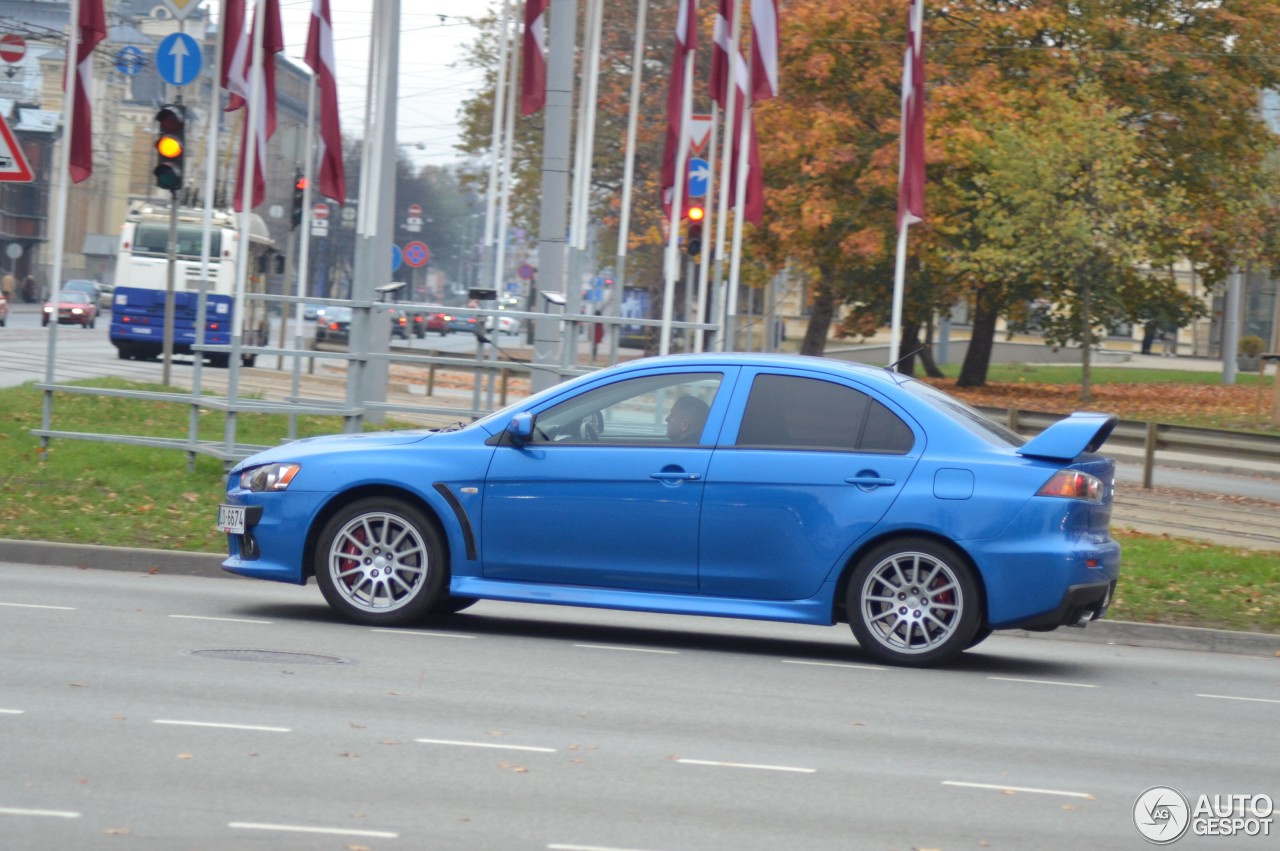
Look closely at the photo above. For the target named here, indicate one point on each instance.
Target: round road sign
(416, 254)
(12, 48)
(320, 211)
(415, 211)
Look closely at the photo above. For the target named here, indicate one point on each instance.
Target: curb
(44, 553)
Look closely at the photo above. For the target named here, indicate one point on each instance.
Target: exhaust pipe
(1084, 619)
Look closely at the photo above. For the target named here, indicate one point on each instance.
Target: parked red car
(74, 308)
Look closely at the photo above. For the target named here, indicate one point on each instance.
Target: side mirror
(520, 429)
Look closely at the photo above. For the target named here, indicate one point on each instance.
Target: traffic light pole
(169, 287)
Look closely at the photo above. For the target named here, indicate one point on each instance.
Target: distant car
(74, 307)
(99, 293)
(466, 324)
(312, 312)
(504, 324)
(334, 325)
(437, 322)
(401, 324)
(767, 487)
(4, 310)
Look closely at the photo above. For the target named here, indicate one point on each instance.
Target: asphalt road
(170, 712)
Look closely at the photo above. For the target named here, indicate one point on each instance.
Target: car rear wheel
(913, 602)
(379, 561)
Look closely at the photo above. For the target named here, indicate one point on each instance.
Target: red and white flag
(533, 88)
(263, 99)
(753, 210)
(764, 49)
(236, 50)
(720, 53)
(686, 42)
(332, 177)
(911, 151)
(92, 28)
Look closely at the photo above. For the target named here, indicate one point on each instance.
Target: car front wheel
(379, 561)
(913, 602)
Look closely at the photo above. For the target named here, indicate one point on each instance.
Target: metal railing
(1153, 437)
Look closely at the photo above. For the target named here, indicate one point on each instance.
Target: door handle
(867, 481)
(672, 476)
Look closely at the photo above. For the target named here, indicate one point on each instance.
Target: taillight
(1073, 484)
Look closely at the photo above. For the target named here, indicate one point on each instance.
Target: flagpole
(256, 105)
(724, 341)
(60, 220)
(628, 178)
(899, 286)
(206, 231)
(495, 141)
(304, 246)
(710, 223)
(672, 265)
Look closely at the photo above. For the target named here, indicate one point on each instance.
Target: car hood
(1069, 438)
(311, 447)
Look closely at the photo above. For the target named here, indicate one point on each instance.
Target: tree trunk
(973, 372)
(1086, 337)
(926, 354)
(823, 309)
(909, 348)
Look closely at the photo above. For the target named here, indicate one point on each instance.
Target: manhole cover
(278, 657)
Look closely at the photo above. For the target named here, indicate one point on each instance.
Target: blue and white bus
(141, 283)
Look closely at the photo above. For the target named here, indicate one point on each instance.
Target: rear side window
(788, 412)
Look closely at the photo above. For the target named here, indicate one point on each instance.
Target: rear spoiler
(1066, 439)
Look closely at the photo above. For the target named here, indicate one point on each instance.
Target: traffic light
(171, 125)
(299, 196)
(693, 242)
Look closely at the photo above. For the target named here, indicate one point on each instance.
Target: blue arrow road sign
(397, 257)
(129, 60)
(178, 59)
(699, 177)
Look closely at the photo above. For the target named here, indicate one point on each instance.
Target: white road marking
(222, 726)
(1042, 682)
(34, 606)
(485, 745)
(559, 847)
(834, 665)
(299, 828)
(1027, 789)
(19, 811)
(12, 711)
(627, 649)
(1232, 697)
(420, 632)
(748, 765)
(223, 620)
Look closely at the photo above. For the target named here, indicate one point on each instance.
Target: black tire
(913, 602)
(983, 633)
(44, 322)
(450, 605)
(379, 561)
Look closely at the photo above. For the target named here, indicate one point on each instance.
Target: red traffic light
(301, 184)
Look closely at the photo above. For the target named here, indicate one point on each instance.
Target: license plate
(231, 519)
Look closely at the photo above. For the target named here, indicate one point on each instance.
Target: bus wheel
(219, 361)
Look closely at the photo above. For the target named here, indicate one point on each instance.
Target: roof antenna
(907, 356)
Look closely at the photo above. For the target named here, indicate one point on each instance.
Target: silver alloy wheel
(379, 562)
(912, 602)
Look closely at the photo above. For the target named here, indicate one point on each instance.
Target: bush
(1251, 346)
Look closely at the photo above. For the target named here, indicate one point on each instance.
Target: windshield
(151, 238)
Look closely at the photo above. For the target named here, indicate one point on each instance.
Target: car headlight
(269, 477)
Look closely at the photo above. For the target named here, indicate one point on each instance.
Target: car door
(808, 465)
(601, 496)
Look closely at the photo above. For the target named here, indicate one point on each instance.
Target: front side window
(789, 412)
(658, 410)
